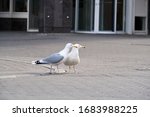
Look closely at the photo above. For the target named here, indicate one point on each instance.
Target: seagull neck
(75, 51)
(64, 51)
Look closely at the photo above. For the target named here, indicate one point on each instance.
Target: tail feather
(36, 62)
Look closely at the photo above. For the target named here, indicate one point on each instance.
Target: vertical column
(96, 16)
(115, 16)
(28, 10)
(76, 14)
(11, 6)
(129, 16)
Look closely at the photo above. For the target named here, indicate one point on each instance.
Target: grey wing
(54, 58)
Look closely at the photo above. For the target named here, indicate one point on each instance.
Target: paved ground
(112, 67)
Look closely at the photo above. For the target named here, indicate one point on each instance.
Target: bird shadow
(44, 74)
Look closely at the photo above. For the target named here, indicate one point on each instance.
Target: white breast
(72, 58)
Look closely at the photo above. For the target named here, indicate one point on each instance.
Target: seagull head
(69, 45)
(78, 46)
(67, 49)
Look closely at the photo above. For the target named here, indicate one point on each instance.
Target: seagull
(73, 58)
(55, 58)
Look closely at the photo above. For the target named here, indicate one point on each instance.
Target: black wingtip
(37, 62)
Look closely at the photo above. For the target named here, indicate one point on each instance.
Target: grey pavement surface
(112, 67)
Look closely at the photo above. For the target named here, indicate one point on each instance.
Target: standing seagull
(56, 58)
(73, 57)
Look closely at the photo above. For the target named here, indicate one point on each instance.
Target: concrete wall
(141, 11)
(136, 9)
(141, 7)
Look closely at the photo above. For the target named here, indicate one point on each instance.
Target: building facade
(84, 16)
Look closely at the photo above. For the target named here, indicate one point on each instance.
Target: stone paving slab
(112, 67)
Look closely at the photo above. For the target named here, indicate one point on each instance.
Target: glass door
(85, 15)
(33, 15)
(111, 15)
(120, 15)
(106, 15)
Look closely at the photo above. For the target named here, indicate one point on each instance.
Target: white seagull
(73, 58)
(56, 58)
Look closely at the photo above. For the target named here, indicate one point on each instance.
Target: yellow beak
(82, 46)
(78, 46)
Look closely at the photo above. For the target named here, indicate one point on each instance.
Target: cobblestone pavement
(112, 67)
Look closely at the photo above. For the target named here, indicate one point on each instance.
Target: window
(140, 23)
(20, 5)
(4, 5)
